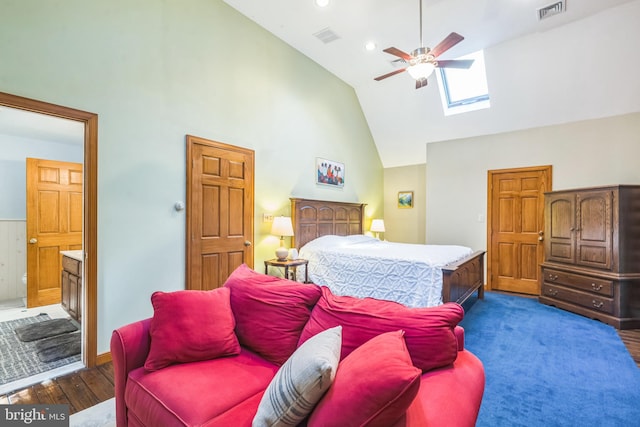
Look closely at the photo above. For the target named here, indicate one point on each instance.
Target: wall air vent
(326, 35)
(552, 9)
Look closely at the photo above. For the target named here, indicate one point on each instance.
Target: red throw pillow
(270, 312)
(429, 332)
(374, 386)
(188, 326)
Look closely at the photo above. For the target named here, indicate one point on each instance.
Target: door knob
(247, 243)
(33, 240)
(541, 235)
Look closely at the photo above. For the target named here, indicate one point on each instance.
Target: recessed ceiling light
(370, 46)
(321, 3)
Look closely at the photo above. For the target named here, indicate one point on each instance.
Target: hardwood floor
(79, 390)
(631, 340)
(89, 387)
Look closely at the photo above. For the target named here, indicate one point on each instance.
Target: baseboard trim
(103, 358)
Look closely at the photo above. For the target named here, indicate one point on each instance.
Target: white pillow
(301, 382)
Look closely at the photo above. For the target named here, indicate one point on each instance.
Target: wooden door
(54, 224)
(516, 228)
(219, 211)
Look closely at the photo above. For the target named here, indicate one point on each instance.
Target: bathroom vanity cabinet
(72, 283)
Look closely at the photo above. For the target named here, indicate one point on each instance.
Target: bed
(361, 266)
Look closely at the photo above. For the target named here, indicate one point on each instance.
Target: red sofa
(158, 385)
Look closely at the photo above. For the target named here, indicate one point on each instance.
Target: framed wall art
(405, 199)
(329, 172)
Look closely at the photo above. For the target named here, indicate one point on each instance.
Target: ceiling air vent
(552, 9)
(326, 35)
(398, 63)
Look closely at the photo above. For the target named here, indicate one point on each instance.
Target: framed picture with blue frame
(329, 172)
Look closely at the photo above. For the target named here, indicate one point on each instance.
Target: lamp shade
(377, 226)
(282, 226)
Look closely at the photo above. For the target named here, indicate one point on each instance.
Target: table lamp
(377, 226)
(282, 227)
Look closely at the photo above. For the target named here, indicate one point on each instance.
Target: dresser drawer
(71, 265)
(590, 301)
(585, 283)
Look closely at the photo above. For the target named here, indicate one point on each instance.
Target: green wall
(155, 71)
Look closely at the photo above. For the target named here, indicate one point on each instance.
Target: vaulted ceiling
(538, 70)
(578, 65)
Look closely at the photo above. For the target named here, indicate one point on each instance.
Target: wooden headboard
(315, 218)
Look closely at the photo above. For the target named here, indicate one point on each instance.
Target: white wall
(13, 259)
(587, 153)
(156, 71)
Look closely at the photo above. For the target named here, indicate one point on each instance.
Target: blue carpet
(548, 367)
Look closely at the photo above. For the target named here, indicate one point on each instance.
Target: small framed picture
(405, 199)
(329, 172)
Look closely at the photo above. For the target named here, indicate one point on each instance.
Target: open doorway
(17, 109)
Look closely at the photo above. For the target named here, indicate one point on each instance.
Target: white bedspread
(363, 266)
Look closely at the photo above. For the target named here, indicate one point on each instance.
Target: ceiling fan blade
(455, 63)
(421, 83)
(393, 73)
(398, 52)
(450, 41)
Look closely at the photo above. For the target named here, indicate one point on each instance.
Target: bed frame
(314, 218)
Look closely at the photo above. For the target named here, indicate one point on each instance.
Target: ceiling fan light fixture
(421, 70)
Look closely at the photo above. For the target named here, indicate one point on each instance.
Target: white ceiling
(402, 119)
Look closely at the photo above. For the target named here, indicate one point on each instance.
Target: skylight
(464, 90)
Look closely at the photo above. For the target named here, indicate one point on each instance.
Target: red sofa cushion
(199, 392)
(189, 326)
(429, 332)
(270, 312)
(374, 386)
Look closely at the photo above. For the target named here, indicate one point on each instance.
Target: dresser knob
(553, 277)
(552, 292)
(596, 287)
(597, 304)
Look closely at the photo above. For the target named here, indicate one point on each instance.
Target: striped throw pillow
(301, 381)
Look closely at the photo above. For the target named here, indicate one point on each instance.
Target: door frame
(545, 168)
(90, 217)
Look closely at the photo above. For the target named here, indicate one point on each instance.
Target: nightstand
(286, 264)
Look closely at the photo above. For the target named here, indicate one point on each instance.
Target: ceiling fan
(423, 60)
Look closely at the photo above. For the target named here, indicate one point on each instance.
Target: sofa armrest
(129, 350)
(459, 331)
(449, 396)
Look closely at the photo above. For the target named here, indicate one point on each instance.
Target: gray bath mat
(48, 328)
(18, 359)
(58, 347)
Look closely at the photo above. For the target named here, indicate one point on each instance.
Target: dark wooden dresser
(592, 253)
